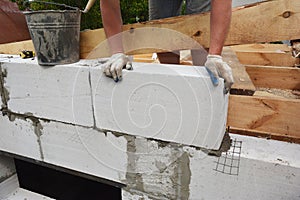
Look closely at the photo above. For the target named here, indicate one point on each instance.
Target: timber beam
(270, 21)
(265, 116)
(260, 22)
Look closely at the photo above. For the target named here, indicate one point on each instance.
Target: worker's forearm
(219, 23)
(112, 22)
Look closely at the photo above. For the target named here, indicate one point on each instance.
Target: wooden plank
(277, 93)
(90, 40)
(267, 58)
(275, 77)
(266, 54)
(145, 58)
(242, 82)
(271, 115)
(261, 48)
(16, 47)
(263, 134)
(268, 22)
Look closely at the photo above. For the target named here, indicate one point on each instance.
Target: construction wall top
(166, 102)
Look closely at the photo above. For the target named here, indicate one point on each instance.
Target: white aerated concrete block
(60, 93)
(7, 167)
(19, 136)
(20, 194)
(166, 102)
(85, 150)
(153, 169)
(193, 176)
(259, 176)
(10, 190)
(8, 186)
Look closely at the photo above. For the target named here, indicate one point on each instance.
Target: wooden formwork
(274, 109)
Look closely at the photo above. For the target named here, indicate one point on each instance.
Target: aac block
(60, 93)
(18, 136)
(166, 102)
(7, 167)
(85, 150)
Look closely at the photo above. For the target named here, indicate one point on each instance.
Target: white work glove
(216, 68)
(113, 67)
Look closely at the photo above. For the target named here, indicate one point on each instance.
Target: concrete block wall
(166, 102)
(77, 126)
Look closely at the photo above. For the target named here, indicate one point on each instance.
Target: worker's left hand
(216, 68)
(113, 67)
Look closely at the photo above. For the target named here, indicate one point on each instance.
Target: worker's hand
(113, 67)
(216, 68)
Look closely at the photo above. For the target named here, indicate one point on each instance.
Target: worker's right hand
(216, 68)
(113, 67)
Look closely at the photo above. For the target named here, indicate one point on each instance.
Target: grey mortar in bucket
(55, 35)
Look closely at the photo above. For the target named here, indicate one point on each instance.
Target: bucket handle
(51, 3)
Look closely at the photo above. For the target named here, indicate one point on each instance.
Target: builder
(220, 22)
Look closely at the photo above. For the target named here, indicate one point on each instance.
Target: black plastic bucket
(55, 35)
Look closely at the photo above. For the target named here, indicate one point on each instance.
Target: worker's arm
(219, 26)
(112, 22)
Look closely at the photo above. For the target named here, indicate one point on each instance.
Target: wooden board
(269, 21)
(242, 82)
(267, 58)
(275, 77)
(270, 115)
(263, 134)
(261, 48)
(145, 58)
(16, 47)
